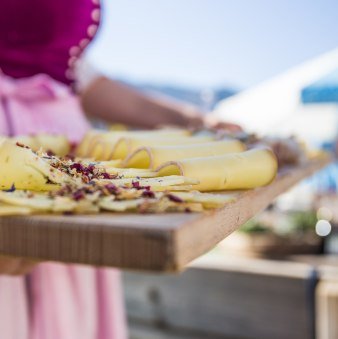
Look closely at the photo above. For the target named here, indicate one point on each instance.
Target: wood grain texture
(161, 242)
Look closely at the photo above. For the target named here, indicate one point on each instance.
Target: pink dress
(39, 43)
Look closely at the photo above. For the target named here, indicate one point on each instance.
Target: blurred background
(271, 66)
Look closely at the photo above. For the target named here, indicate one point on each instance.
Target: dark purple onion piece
(136, 185)
(78, 195)
(148, 194)
(79, 167)
(91, 168)
(106, 175)
(174, 198)
(12, 189)
(111, 188)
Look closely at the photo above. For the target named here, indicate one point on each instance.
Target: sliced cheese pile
(216, 164)
(149, 171)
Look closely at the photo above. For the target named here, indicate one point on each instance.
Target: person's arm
(116, 102)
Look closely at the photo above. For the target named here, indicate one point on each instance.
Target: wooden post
(327, 309)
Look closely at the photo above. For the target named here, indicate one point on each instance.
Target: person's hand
(212, 122)
(15, 265)
(196, 120)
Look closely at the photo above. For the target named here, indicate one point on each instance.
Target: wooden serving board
(155, 242)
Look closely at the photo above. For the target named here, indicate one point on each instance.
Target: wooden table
(162, 242)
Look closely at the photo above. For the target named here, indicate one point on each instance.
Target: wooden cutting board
(154, 242)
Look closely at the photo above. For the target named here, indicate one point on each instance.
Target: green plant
(254, 226)
(303, 221)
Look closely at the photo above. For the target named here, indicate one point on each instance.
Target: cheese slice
(90, 140)
(125, 146)
(119, 147)
(250, 169)
(58, 144)
(25, 170)
(154, 156)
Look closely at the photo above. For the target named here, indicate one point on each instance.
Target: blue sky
(209, 43)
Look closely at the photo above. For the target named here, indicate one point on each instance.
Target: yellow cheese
(58, 144)
(23, 168)
(125, 146)
(250, 169)
(82, 148)
(100, 145)
(154, 156)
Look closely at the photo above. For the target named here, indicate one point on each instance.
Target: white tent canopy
(274, 106)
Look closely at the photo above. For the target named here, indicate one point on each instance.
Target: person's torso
(45, 36)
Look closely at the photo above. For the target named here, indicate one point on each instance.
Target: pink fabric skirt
(55, 301)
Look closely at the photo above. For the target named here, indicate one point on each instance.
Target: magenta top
(45, 36)
(39, 43)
